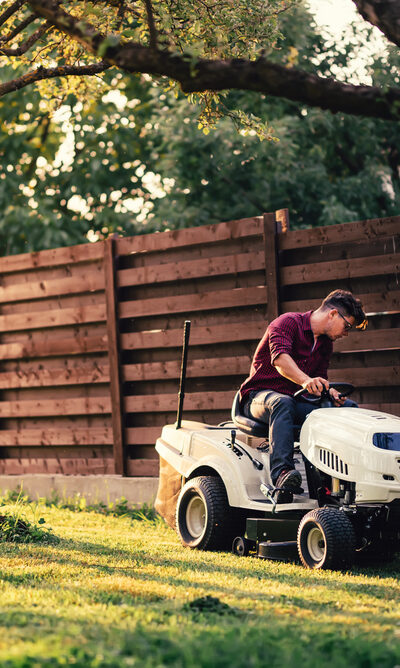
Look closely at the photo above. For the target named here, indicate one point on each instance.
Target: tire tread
(218, 534)
(340, 538)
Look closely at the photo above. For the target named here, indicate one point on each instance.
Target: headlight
(387, 441)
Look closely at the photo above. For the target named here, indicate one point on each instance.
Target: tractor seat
(249, 426)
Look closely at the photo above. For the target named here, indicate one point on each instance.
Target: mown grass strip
(117, 591)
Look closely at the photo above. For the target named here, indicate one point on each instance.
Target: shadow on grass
(195, 641)
(142, 557)
(142, 576)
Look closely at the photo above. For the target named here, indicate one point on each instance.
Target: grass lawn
(116, 592)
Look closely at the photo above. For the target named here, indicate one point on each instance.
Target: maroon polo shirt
(290, 333)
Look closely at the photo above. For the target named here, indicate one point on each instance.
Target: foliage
(79, 503)
(191, 30)
(16, 528)
(115, 593)
(51, 198)
(204, 47)
(118, 508)
(325, 168)
(126, 158)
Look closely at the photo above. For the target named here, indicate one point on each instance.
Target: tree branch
(151, 24)
(50, 73)
(25, 46)
(384, 14)
(19, 28)
(261, 75)
(11, 10)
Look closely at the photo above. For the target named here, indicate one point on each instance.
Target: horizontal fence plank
(233, 366)
(374, 302)
(51, 407)
(220, 366)
(193, 236)
(211, 401)
(172, 338)
(194, 302)
(141, 468)
(142, 435)
(54, 436)
(370, 377)
(88, 282)
(193, 401)
(52, 258)
(378, 339)
(168, 402)
(392, 409)
(53, 318)
(76, 466)
(203, 268)
(71, 346)
(88, 373)
(341, 269)
(364, 230)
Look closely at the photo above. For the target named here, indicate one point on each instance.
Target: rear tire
(326, 539)
(203, 515)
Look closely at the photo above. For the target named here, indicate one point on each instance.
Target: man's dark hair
(345, 302)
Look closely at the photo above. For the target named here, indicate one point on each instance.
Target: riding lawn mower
(215, 486)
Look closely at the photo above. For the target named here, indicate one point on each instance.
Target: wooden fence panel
(214, 276)
(55, 408)
(90, 336)
(362, 257)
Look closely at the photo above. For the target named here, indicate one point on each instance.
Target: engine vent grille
(333, 461)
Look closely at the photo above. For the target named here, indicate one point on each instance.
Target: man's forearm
(287, 367)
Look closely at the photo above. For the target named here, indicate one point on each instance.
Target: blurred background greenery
(131, 158)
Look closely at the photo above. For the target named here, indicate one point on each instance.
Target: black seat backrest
(249, 426)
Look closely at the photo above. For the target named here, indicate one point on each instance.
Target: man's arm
(287, 367)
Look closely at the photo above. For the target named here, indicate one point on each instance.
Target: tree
(81, 170)
(138, 163)
(204, 46)
(326, 168)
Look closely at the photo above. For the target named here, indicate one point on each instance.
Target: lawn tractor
(215, 486)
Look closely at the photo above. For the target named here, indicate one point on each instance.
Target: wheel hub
(196, 516)
(316, 544)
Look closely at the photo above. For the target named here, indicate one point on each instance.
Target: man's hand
(316, 385)
(339, 401)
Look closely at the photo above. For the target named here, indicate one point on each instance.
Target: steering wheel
(325, 400)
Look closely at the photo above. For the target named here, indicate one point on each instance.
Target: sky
(335, 14)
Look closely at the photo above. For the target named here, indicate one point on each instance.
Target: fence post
(114, 356)
(282, 220)
(274, 223)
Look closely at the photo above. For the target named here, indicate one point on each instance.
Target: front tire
(326, 539)
(203, 515)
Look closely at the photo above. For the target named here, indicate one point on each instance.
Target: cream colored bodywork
(197, 445)
(338, 441)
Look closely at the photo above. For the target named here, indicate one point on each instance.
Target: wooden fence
(91, 335)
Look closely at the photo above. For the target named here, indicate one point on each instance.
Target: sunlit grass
(117, 591)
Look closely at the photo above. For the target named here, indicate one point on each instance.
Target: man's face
(339, 324)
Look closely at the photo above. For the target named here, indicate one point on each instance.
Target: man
(295, 352)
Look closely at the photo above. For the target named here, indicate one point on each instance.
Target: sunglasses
(348, 326)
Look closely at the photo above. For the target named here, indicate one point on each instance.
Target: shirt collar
(307, 321)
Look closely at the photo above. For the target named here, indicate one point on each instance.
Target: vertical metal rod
(181, 394)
